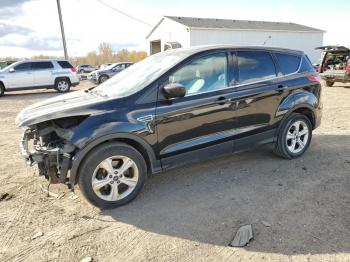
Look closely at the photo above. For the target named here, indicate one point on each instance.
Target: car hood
(73, 104)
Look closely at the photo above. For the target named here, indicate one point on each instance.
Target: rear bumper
(76, 83)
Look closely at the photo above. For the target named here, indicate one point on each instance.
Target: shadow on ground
(306, 200)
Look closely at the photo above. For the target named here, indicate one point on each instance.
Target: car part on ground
(171, 109)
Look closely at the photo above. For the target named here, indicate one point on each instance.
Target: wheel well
(65, 78)
(133, 144)
(2, 84)
(308, 113)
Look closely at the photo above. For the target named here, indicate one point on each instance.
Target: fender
(80, 155)
(296, 100)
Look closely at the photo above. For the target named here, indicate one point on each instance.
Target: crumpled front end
(47, 146)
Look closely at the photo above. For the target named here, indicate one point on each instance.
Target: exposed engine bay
(47, 145)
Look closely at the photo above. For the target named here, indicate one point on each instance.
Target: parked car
(4, 64)
(335, 64)
(36, 74)
(82, 69)
(173, 108)
(102, 75)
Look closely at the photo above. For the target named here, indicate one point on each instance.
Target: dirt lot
(192, 213)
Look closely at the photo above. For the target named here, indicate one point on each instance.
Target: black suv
(173, 108)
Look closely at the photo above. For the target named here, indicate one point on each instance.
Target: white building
(190, 31)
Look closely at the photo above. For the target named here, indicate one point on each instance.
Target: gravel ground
(192, 213)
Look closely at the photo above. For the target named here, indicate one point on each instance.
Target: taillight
(348, 67)
(314, 78)
(73, 69)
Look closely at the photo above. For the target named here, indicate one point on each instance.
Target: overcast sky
(31, 27)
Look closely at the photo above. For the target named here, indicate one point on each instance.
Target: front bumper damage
(53, 159)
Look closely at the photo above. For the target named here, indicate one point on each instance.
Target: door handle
(222, 100)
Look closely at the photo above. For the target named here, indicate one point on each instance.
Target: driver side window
(205, 74)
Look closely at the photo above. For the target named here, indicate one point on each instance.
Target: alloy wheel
(297, 136)
(115, 178)
(62, 86)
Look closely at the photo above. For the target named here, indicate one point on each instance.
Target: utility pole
(62, 30)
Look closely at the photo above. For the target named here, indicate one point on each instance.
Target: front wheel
(112, 175)
(294, 136)
(103, 79)
(2, 90)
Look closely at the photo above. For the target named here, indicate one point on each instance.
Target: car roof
(203, 48)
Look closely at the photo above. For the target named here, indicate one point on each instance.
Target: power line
(123, 13)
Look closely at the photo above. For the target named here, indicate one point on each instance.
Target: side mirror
(174, 90)
(12, 70)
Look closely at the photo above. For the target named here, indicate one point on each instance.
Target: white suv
(35, 74)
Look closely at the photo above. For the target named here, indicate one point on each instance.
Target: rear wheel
(112, 175)
(62, 85)
(294, 136)
(2, 90)
(329, 83)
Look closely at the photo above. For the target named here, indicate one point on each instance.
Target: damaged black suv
(170, 109)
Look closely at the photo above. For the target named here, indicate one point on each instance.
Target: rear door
(200, 124)
(22, 76)
(42, 72)
(258, 93)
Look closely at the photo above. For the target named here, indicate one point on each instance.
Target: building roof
(212, 23)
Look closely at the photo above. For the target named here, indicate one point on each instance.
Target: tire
(62, 85)
(300, 140)
(329, 83)
(102, 79)
(109, 190)
(2, 90)
(82, 71)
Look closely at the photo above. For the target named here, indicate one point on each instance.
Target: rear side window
(23, 67)
(288, 63)
(64, 64)
(255, 66)
(42, 65)
(306, 65)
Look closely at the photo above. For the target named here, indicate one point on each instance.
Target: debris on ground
(52, 195)
(87, 259)
(73, 196)
(243, 236)
(38, 234)
(266, 224)
(5, 196)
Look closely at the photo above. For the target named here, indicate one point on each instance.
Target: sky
(31, 27)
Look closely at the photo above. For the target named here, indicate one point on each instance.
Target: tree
(105, 53)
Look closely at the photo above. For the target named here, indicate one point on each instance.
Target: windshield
(141, 74)
(108, 67)
(9, 66)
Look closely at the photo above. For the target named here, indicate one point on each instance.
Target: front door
(21, 77)
(201, 123)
